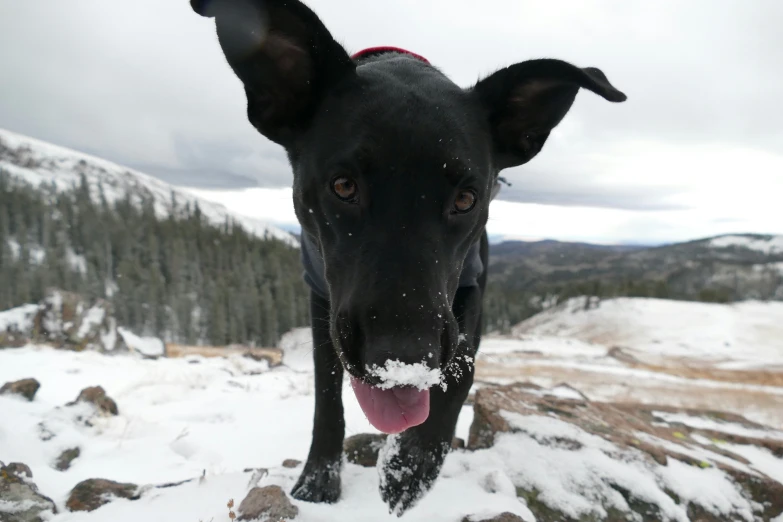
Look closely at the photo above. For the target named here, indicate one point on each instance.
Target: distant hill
(526, 278)
(39, 163)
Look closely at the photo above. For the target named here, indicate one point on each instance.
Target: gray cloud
(144, 83)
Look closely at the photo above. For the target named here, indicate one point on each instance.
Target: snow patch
(94, 317)
(19, 319)
(396, 373)
(767, 245)
(723, 427)
(147, 346)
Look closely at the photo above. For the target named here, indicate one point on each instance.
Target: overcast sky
(696, 150)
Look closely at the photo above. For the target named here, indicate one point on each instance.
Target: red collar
(386, 49)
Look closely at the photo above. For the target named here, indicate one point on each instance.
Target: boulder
(27, 388)
(91, 494)
(363, 449)
(291, 463)
(20, 500)
(65, 459)
(268, 503)
(96, 395)
(621, 461)
(69, 321)
(503, 517)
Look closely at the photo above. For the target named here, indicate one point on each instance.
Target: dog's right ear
(525, 101)
(284, 56)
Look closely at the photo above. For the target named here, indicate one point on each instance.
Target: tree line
(179, 277)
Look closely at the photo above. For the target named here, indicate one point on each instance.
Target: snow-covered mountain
(38, 162)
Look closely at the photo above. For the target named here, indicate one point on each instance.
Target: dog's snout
(372, 336)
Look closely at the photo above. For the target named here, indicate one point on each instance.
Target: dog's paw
(318, 483)
(407, 470)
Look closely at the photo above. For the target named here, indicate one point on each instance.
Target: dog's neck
(375, 51)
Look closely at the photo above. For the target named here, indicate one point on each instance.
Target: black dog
(394, 168)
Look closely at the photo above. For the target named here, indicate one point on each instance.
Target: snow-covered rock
(576, 460)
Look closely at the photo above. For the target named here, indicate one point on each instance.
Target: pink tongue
(393, 410)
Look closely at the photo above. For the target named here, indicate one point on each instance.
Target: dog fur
(414, 147)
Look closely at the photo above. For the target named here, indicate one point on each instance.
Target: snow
(92, 318)
(19, 319)
(723, 427)
(767, 245)
(181, 417)
(396, 373)
(749, 333)
(148, 346)
(62, 167)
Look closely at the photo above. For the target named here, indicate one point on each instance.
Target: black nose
(371, 338)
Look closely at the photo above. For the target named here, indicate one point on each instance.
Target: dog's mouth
(397, 396)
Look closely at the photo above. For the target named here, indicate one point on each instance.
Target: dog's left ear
(525, 101)
(284, 56)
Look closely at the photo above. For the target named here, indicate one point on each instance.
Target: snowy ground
(181, 418)
(655, 351)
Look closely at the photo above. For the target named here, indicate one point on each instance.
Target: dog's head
(393, 166)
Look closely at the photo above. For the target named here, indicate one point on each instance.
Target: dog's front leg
(320, 479)
(411, 461)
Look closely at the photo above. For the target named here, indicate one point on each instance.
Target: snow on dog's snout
(402, 399)
(398, 373)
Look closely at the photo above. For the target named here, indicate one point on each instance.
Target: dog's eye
(465, 201)
(344, 188)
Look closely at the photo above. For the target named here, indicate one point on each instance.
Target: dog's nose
(373, 338)
(399, 353)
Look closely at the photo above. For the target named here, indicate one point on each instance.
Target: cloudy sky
(697, 149)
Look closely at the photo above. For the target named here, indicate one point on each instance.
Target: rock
(66, 458)
(20, 500)
(363, 449)
(19, 470)
(272, 356)
(714, 447)
(91, 494)
(268, 503)
(503, 517)
(27, 388)
(291, 463)
(96, 395)
(70, 321)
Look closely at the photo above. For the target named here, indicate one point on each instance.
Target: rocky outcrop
(91, 494)
(26, 388)
(268, 503)
(67, 320)
(589, 461)
(20, 500)
(96, 396)
(64, 320)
